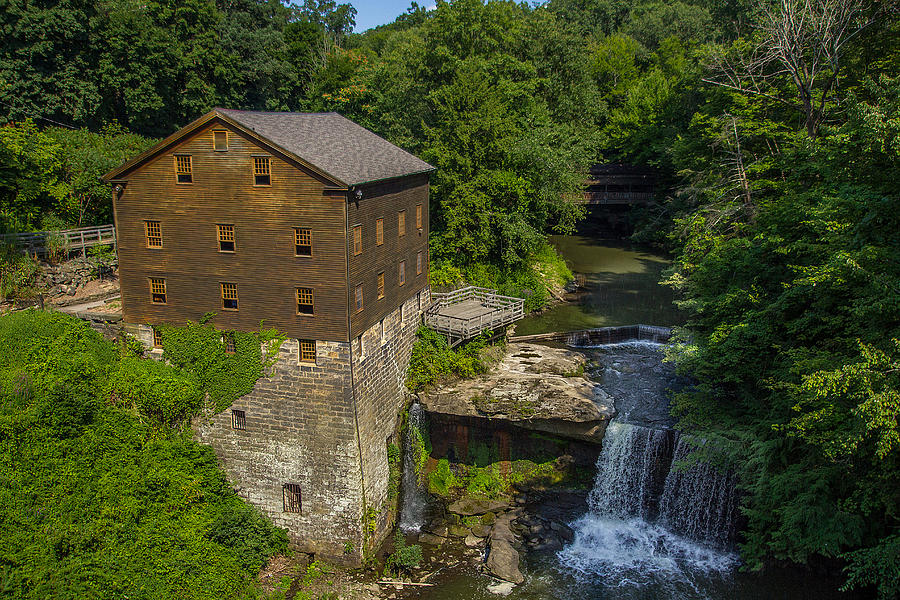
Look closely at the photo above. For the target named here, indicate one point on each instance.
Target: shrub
(156, 389)
(442, 480)
(432, 359)
(17, 272)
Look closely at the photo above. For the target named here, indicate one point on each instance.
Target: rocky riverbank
(533, 387)
(512, 455)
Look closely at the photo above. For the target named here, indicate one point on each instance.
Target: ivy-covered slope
(100, 497)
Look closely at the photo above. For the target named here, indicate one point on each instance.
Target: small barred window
(292, 497)
(238, 419)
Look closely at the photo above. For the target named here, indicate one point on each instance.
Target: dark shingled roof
(333, 144)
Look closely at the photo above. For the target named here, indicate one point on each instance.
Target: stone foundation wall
(300, 428)
(380, 360)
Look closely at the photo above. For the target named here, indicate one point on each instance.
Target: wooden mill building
(318, 227)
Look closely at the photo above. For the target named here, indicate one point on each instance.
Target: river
(621, 287)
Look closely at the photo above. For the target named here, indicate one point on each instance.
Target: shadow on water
(621, 287)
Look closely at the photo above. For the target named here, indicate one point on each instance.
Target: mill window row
(302, 236)
(305, 297)
(306, 350)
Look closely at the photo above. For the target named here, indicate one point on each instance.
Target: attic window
(261, 174)
(183, 171)
(220, 141)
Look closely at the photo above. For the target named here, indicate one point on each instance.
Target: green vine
(199, 349)
(394, 471)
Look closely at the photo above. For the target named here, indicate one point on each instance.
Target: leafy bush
(99, 504)
(155, 389)
(442, 480)
(432, 359)
(17, 272)
(404, 557)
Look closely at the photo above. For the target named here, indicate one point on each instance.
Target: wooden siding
(386, 200)
(263, 266)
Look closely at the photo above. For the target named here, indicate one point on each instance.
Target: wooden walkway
(467, 312)
(36, 242)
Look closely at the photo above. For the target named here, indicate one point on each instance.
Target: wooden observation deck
(467, 312)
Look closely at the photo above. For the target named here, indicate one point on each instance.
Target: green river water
(621, 287)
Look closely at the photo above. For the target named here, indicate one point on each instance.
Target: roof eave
(383, 179)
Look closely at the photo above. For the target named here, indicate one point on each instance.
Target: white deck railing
(501, 311)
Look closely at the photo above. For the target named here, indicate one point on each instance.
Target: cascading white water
(698, 502)
(619, 540)
(412, 500)
(627, 481)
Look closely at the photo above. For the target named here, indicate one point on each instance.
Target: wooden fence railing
(38, 242)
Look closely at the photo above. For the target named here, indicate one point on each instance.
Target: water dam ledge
(601, 336)
(534, 387)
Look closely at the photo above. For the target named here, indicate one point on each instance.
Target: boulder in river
(503, 559)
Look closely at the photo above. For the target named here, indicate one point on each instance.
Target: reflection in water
(621, 288)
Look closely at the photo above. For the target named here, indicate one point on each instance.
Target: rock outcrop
(535, 387)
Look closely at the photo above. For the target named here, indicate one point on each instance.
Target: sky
(371, 13)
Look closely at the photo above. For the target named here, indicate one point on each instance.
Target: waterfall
(698, 502)
(631, 471)
(649, 522)
(412, 500)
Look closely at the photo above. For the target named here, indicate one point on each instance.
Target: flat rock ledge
(536, 387)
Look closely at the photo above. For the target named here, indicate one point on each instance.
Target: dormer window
(183, 169)
(261, 173)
